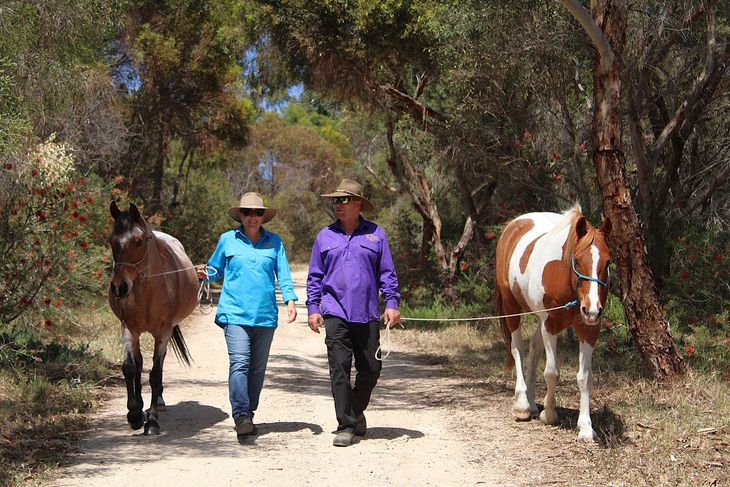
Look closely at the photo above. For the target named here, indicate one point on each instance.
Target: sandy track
(425, 427)
(408, 442)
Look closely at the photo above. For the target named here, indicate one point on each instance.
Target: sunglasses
(252, 211)
(341, 199)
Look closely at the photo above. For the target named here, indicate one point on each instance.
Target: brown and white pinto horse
(153, 288)
(543, 261)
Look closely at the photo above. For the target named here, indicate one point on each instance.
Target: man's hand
(291, 311)
(391, 317)
(315, 321)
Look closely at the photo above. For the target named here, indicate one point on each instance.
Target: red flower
(47, 301)
(464, 266)
(34, 172)
(75, 214)
(9, 166)
(36, 242)
(104, 258)
(607, 325)
(489, 235)
(59, 303)
(582, 146)
(692, 320)
(84, 244)
(72, 265)
(517, 144)
(556, 155)
(684, 274)
(83, 218)
(72, 254)
(690, 350)
(557, 177)
(40, 215)
(98, 273)
(82, 181)
(719, 259)
(527, 134)
(89, 198)
(48, 324)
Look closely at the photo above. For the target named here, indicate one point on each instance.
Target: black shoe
(344, 437)
(361, 425)
(244, 426)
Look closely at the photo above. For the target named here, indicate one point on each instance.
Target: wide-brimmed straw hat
(254, 201)
(353, 189)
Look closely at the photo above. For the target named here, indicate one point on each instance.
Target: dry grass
(651, 433)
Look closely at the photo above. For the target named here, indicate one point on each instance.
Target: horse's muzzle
(121, 290)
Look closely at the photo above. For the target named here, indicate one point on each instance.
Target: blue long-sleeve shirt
(347, 272)
(249, 273)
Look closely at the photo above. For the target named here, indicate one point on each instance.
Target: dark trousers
(344, 340)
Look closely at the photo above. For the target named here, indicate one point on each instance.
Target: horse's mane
(124, 223)
(572, 244)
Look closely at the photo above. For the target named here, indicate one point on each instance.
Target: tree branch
(699, 86)
(584, 18)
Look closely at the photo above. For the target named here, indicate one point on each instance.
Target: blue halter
(581, 276)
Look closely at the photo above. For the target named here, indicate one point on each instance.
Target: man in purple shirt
(350, 263)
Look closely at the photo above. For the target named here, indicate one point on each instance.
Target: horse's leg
(551, 374)
(132, 369)
(587, 336)
(153, 426)
(585, 379)
(521, 405)
(536, 349)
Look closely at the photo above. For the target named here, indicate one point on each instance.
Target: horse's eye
(138, 243)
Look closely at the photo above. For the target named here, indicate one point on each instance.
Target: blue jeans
(248, 353)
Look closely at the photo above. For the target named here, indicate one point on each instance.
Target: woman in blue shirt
(250, 260)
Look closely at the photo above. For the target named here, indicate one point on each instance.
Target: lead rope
(205, 300)
(386, 338)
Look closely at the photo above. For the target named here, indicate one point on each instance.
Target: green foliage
(204, 216)
(51, 242)
(697, 293)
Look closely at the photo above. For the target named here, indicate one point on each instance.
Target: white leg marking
(521, 407)
(593, 288)
(536, 349)
(585, 379)
(552, 374)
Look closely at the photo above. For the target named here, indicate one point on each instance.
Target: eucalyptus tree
(180, 64)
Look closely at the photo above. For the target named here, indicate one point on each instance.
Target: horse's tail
(179, 346)
(499, 306)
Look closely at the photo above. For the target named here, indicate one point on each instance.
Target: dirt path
(425, 427)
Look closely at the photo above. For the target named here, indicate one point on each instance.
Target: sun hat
(254, 201)
(353, 189)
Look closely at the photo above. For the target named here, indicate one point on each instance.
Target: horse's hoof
(521, 414)
(589, 435)
(548, 418)
(135, 419)
(151, 428)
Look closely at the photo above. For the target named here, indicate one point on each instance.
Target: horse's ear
(114, 210)
(606, 227)
(134, 212)
(581, 227)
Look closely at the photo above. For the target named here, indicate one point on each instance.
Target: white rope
(386, 338)
(565, 306)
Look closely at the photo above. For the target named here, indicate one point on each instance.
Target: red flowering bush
(49, 253)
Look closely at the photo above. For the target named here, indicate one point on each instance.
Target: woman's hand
(201, 271)
(291, 311)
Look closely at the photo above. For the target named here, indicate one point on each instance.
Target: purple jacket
(346, 273)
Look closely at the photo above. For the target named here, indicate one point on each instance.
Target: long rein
(579, 277)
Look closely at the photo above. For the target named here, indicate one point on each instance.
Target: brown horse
(555, 265)
(153, 288)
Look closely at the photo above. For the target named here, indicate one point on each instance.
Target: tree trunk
(647, 324)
